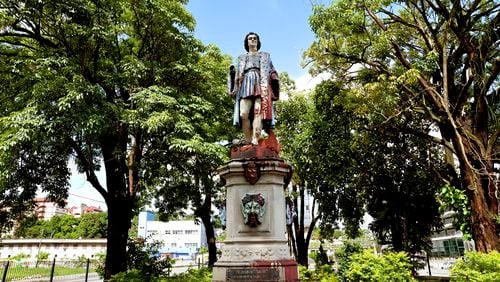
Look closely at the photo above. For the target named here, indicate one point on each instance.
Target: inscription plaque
(253, 274)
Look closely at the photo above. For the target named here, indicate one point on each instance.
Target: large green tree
(89, 225)
(294, 130)
(109, 83)
(351, 167)
(436, 61)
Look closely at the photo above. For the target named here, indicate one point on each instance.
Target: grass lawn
(16, 273)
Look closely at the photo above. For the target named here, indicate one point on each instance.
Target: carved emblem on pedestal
(253, 209)
(252, 172)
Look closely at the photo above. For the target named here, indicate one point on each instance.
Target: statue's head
(252, 35)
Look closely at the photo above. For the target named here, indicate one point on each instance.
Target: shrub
(133, 275)
(147, 260)
(42, 256)
(391, 266)
(343, 257)
(323, 273)
(477, 267)
(203, 274)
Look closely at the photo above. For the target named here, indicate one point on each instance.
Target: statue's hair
(246, 41)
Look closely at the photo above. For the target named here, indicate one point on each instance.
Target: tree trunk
(119, 222)
(120, 204)
(484, 229)
(298, 222)
(210, 233)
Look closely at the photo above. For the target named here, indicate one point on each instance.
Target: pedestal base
(258, 270)
(257, 249)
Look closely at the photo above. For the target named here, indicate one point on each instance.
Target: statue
(255, 85)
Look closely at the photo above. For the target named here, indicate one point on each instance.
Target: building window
(167, 232)
(177, 232)
(188, 232)
(174, 245)
(191, 245)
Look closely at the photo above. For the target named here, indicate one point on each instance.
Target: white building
(46, 209)
(180, 239)
(63, 248)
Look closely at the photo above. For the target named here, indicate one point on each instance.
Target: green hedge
(391, 266)
(477, 267)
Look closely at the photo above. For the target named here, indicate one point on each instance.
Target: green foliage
(366, 266)
(100, 259)
(323, 273)
(133, 275)
(398, 85)
(88, 226)
(145, 258)
(320, 257)
(20, 256)
(453, 199)
(42, 256)
(343, 257)
(476, 266)
(203, 274)
(123, 84)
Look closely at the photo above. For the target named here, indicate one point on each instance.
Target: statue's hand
(232, 93)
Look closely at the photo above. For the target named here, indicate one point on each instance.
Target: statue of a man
(255, 85)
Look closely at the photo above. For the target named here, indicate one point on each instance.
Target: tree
(103, 82)
(89, 225)
(436, 61)
(293, 129)
(351, 167)
(93, 225)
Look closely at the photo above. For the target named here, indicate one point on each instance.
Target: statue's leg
(257, 121)
(245, 107)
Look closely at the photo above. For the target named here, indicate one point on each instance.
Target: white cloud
(307, 82)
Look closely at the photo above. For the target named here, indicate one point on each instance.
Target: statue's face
(252, 42)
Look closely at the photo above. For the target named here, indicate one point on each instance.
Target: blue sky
(282, 25)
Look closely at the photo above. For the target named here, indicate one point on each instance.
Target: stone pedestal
(256, 249)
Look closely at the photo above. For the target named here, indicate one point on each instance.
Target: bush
(343, 257)
(391, 266)
(133, 275)
(42, 256)
(147, 260)
(324, 273)
(477, 267)
(203, 274)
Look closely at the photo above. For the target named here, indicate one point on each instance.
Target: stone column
(255, 249)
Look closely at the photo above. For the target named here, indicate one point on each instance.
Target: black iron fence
(49, 270)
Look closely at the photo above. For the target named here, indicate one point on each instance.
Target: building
(63, 248)
(46, 209)
(448, 241)
(83, 209)
(181, 239)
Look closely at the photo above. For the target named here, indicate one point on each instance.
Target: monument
(256, 246)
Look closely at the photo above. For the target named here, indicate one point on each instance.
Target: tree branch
(88, 168)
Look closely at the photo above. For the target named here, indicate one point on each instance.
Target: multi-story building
(46, 209)
(83, 209)
(180, 238)
(448, 241)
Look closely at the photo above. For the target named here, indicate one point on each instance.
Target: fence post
(53, 267)
(5, 269)
(87, 270)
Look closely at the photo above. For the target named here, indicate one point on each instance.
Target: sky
(282, 25)
(283, 28)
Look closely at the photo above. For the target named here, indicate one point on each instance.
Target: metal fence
(49, 270)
